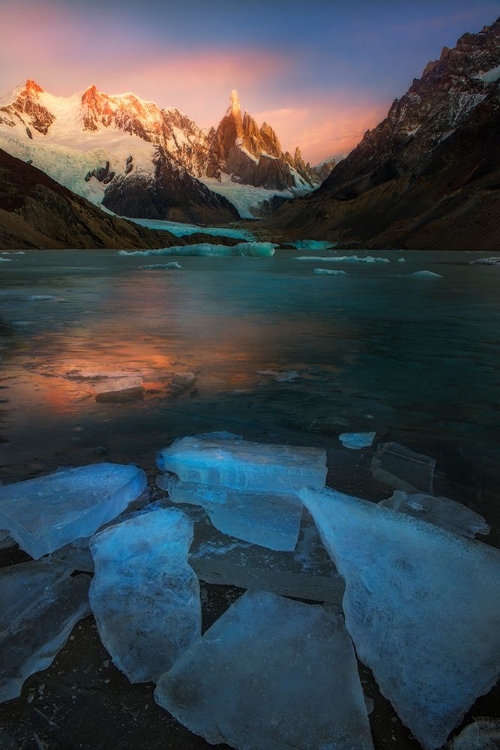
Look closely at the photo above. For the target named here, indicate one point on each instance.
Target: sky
(320, 72)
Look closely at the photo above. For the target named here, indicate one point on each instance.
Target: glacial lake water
(280, 354)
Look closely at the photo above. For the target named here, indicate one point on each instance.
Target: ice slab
(144, 595)
(492, 261)
(270, 674)
(422, 606)
(440, 511)
(33, 641)
(244, 465)
(345, 258)
(357, 440)
(48, 512)
(23, 585)
(403, 469)
(269, 519)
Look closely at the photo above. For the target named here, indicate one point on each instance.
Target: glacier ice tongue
(440, 511)
(144, 595)
(35, 637)
(243, 465)
(422, 606)
(269, 519)
(48, 512)
(270, 674)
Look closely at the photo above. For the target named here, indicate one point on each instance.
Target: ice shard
(422, 606)
(144, 595)
(270, 674)
(401, 468)
(269, 519)
(243, 465)
(48, 512)
(35, 637)
(440, 511)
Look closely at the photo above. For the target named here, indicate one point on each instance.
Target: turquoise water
(279, 354)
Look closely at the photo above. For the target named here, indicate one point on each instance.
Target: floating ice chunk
(424, 275)
(34, 639)
(23, 585)
(329, 272)
(269, 519)
(182, 381)
(440, 511)
(312, 244)
(285, 376)
(119, 390)
(144, 595)
(345, 258)
(270, 674)
(492, 261)
(401, 260)
(172, 264)
(403, 469)
(6, 260)
(46, 513)
(241, 464)
(357, 440)
(482, 734)
(421, 605)
(251, 249)
(38, 297)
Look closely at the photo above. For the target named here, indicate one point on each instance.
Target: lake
(280, 354)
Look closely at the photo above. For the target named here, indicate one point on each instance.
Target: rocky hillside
(428, 176)
(36, 212)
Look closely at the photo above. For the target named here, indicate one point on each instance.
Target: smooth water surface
(279, 353)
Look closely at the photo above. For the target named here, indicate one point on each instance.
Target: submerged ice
(250, 680)
(422, 606)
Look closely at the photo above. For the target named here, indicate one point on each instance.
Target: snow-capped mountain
(427, 176)
(139, 160)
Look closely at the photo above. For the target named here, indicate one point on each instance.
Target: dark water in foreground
(279, 353)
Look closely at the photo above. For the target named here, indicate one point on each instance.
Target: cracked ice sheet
(249, 680)
(422, 606)
(45, 513)
(144, 595)
(33, 641)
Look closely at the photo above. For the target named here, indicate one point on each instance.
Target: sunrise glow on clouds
(319, 73)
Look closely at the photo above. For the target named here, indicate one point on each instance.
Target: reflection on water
(277, 351)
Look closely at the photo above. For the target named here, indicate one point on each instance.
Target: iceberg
(422, 606)
(440, 511)
(329, 272)
(357, 440)
(269, 519)
(399, 467)
(312, 244)
(244, 465)
(345, 258)
(144, 595)
(249, 249)
(270, 674)
(48, 512)
(38, 633)
(424, 275)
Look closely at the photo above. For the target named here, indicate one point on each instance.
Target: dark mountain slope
(37, 212)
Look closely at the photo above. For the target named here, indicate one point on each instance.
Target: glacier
(421, 604)
(249, 682)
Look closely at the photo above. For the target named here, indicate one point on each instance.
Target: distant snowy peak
(253, 155)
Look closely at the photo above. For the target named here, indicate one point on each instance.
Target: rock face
(427, 176)
(37, 212)
(253, 155)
